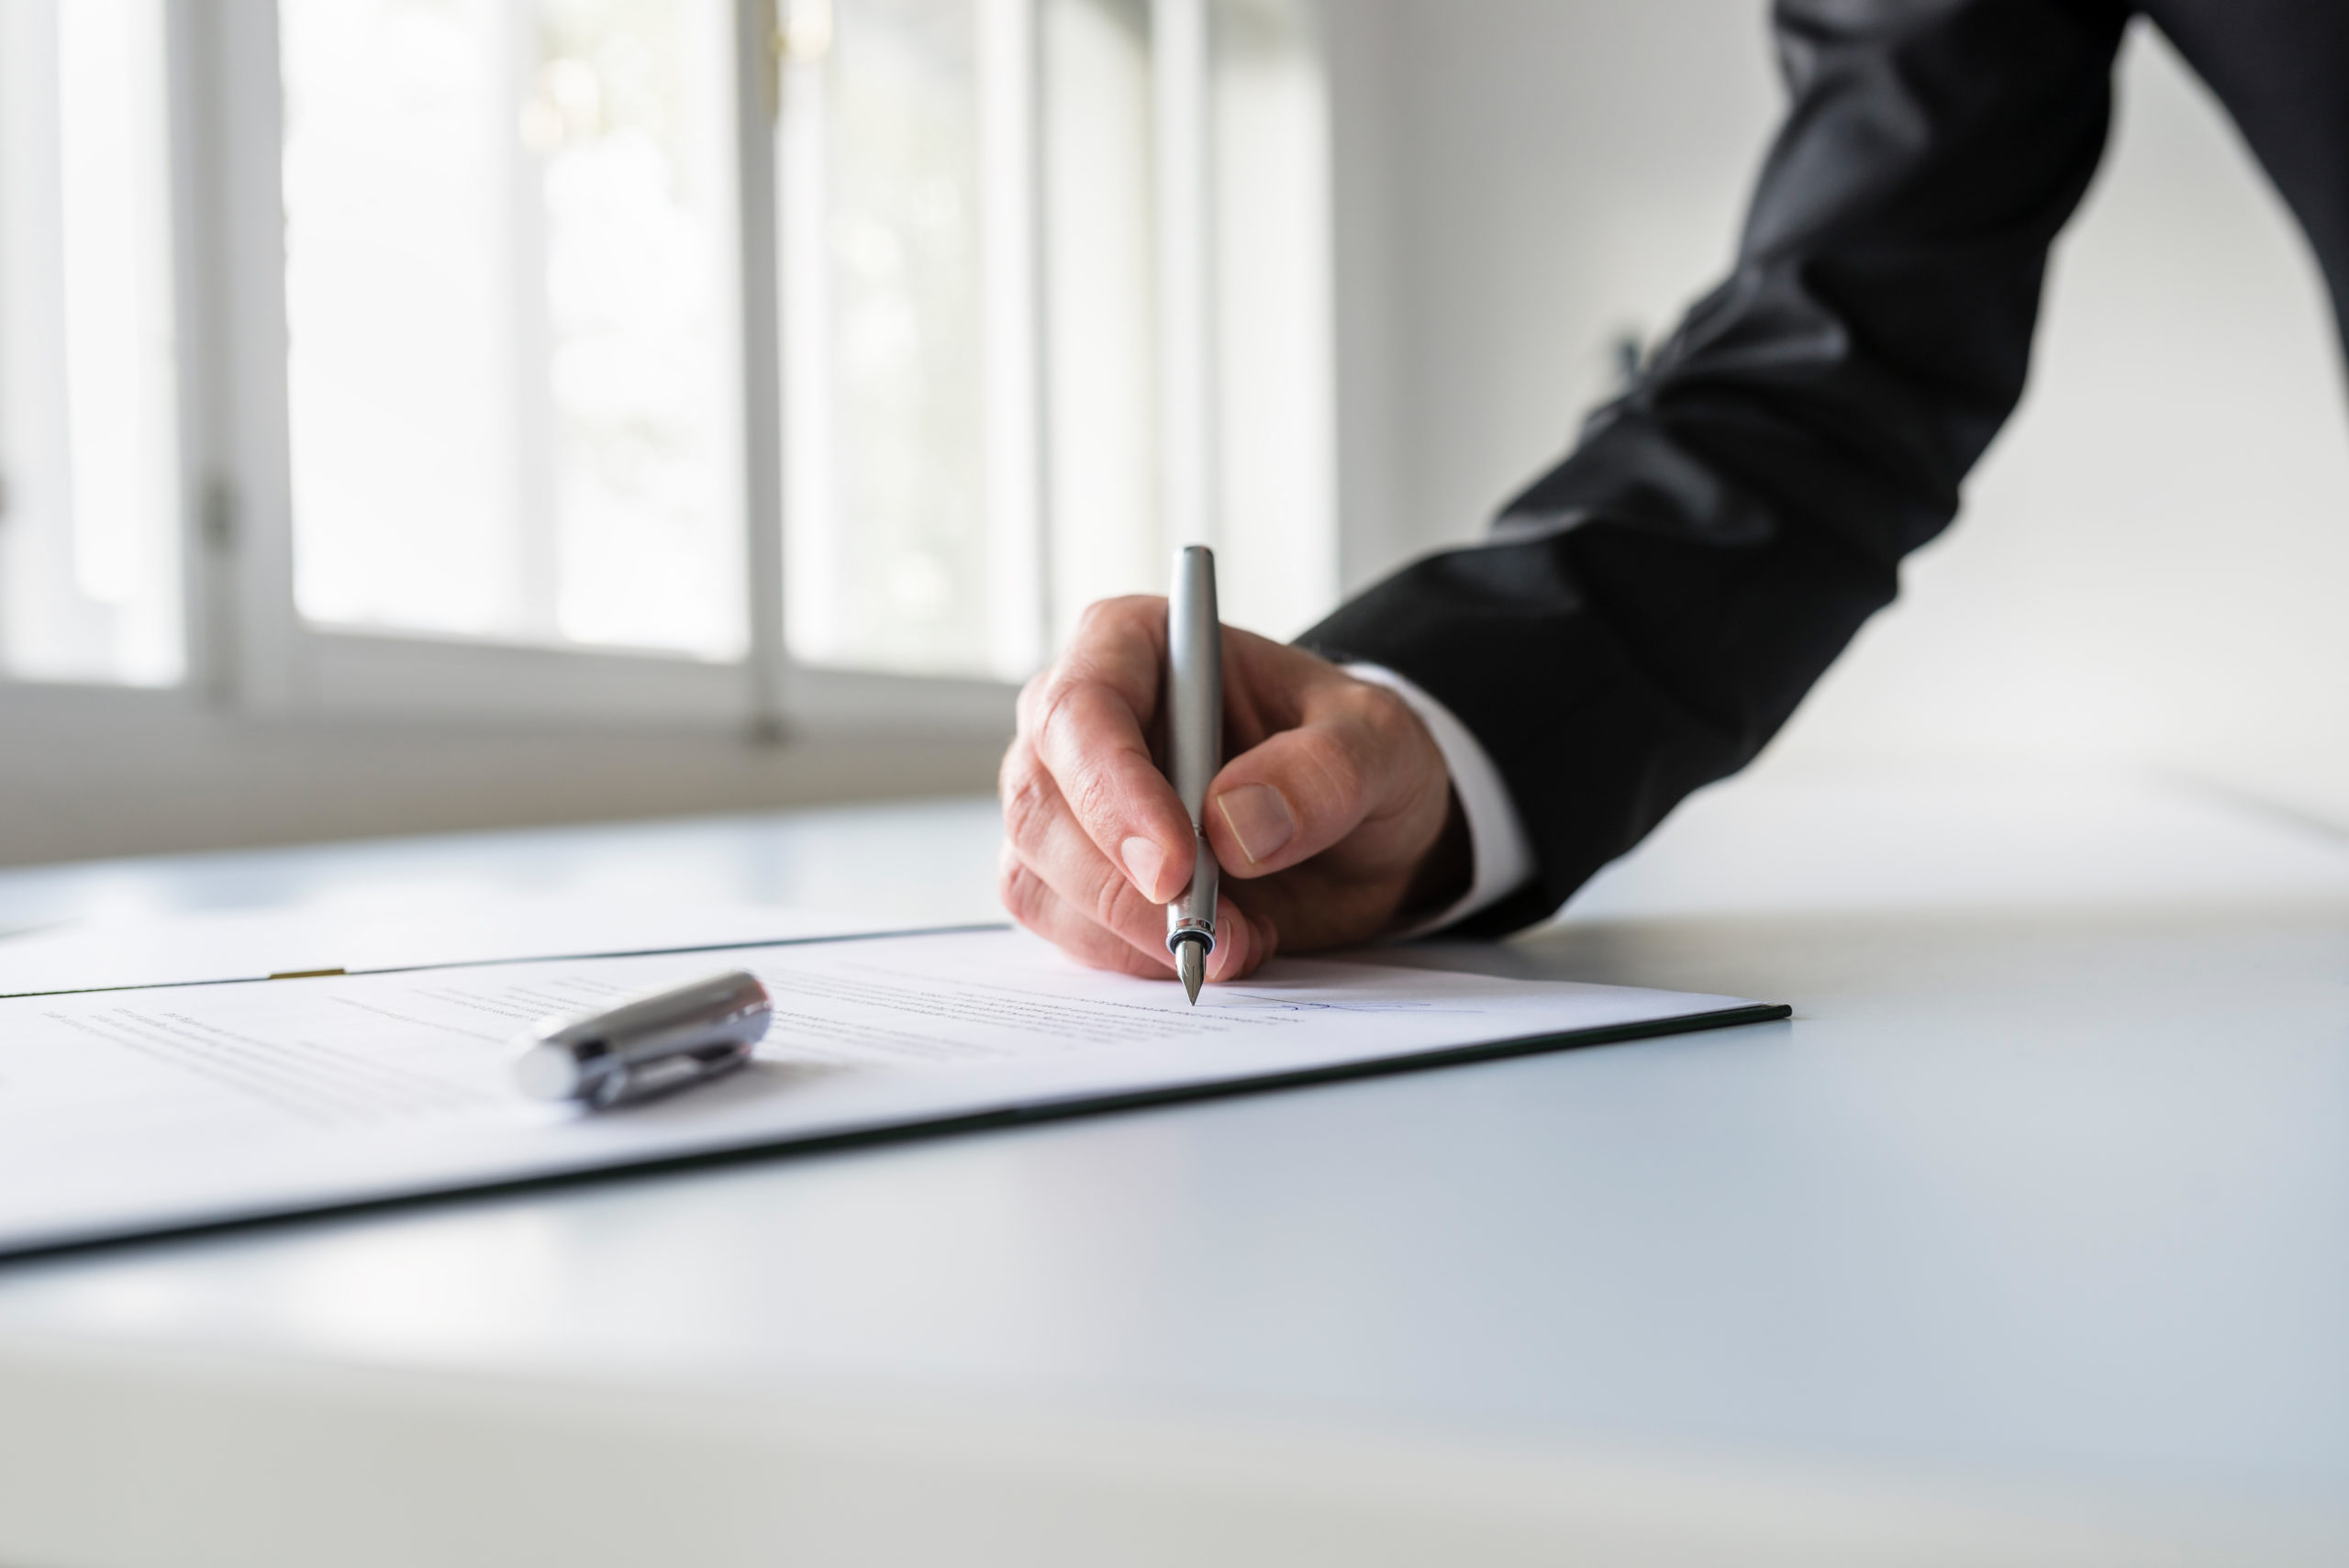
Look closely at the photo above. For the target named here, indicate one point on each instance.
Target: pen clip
(633, 1082)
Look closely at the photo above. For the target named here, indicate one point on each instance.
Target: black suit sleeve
(1648, 613)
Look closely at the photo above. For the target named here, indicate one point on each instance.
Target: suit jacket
(1648, 613)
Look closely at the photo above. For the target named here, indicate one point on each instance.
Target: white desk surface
(2026, 1240)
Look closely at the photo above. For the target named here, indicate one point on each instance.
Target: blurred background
(422, 414)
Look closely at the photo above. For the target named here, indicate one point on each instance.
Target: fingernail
(1143, 861)
(1259, 819)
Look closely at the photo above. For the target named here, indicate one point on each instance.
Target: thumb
(1305, 789)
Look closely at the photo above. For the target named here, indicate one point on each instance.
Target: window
(510, 289)
(1058, 298)
(649, 360)
(907, 275)
(89, 519)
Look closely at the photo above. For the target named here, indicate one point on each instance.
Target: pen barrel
(1194, 679)
(1194, 723)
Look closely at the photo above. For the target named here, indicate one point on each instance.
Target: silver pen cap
(646, 1044)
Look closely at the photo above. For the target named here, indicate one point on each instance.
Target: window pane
(89, 541)
(1101, 326)
(1275, 529)
(954, 216)
(510, 291)
(888, 535)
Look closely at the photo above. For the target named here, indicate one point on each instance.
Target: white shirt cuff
(1499, 852)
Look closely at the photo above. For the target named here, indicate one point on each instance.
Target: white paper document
(132, 1112)
(360, 938)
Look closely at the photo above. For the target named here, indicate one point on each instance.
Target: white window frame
(267, 658)
(251, 652)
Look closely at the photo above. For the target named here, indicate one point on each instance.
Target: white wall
(2148, 563)
(96, 770)
(1518, 182)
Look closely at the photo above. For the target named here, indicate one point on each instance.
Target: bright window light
(1274, 521)
(1101, 366)
(89, 540)
(511, 296)
(1016, 372)
(884, 288)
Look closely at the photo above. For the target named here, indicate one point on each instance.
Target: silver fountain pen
(1194, 749)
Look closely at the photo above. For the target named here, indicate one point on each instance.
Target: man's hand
(1333, 819)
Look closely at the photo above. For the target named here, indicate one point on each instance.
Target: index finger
(1086, 720)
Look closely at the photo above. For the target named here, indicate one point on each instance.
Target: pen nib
(1191, 964)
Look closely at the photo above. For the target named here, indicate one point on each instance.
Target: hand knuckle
(1112, 617)
(1021, 894)
(1115, 903)
(1048, 699)
(1093, 796)
(1090, 619)
(1018, 762)
(1027, 804)
(1392, 719)
(1030, 694)
(1371, 708)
